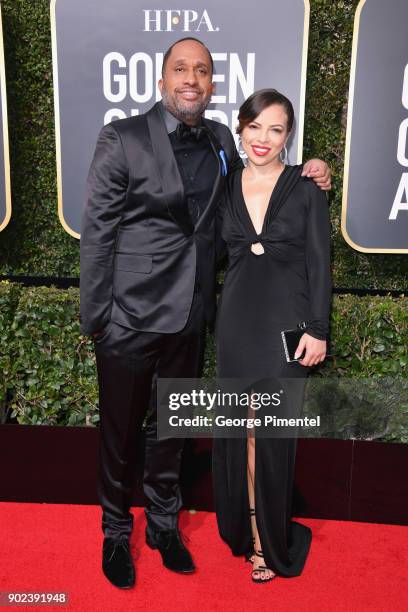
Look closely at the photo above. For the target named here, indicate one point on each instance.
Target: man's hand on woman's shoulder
(319, 171)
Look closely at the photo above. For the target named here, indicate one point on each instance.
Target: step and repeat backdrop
(375, 189)
(108, 56)
(5, 198)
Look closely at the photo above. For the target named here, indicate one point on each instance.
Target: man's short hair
(170, 49)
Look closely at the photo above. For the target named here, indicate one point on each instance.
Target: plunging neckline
(269, 202)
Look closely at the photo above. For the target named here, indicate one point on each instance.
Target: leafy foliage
(51, 373)
(362, 392)
(9, 296)
(49, 376)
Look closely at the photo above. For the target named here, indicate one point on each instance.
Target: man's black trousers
(128, 363)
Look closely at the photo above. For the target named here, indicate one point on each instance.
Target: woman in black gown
(277, 230)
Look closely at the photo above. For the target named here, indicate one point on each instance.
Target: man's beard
(193, 112)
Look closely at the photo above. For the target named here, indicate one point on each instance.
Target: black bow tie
(193, 132)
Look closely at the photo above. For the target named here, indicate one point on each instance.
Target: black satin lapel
(172, 184)
(218, 183)
(286, 182)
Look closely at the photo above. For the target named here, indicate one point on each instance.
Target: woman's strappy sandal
(260, 569)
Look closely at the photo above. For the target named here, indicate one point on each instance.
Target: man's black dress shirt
(197, 165)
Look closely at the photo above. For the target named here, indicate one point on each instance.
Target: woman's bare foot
(260, 573)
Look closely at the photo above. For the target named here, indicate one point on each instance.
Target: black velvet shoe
(175, 555)
(117, 562)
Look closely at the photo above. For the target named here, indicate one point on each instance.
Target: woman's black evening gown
(262, 295)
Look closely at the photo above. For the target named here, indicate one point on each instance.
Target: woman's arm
(319, 277)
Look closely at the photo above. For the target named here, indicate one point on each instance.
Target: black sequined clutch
(291, 339)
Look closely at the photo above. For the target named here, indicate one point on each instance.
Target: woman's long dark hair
(260, 100)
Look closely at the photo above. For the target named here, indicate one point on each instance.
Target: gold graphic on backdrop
(57, 122)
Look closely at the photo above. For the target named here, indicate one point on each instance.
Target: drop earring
(285, 155)
(241, 152)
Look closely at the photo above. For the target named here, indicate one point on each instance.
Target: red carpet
(351, 566)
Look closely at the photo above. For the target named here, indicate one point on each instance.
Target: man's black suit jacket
(138, 246)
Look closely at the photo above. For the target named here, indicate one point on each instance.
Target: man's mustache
(190, 89)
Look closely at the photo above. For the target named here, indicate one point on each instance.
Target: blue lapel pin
(223, 157)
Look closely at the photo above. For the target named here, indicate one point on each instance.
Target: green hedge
(363, 391)
(9, 297)
(49, 368)
(34, 243)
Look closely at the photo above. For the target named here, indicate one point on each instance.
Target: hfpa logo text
(169, 20)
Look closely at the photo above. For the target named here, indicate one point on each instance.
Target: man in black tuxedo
(148, 288)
